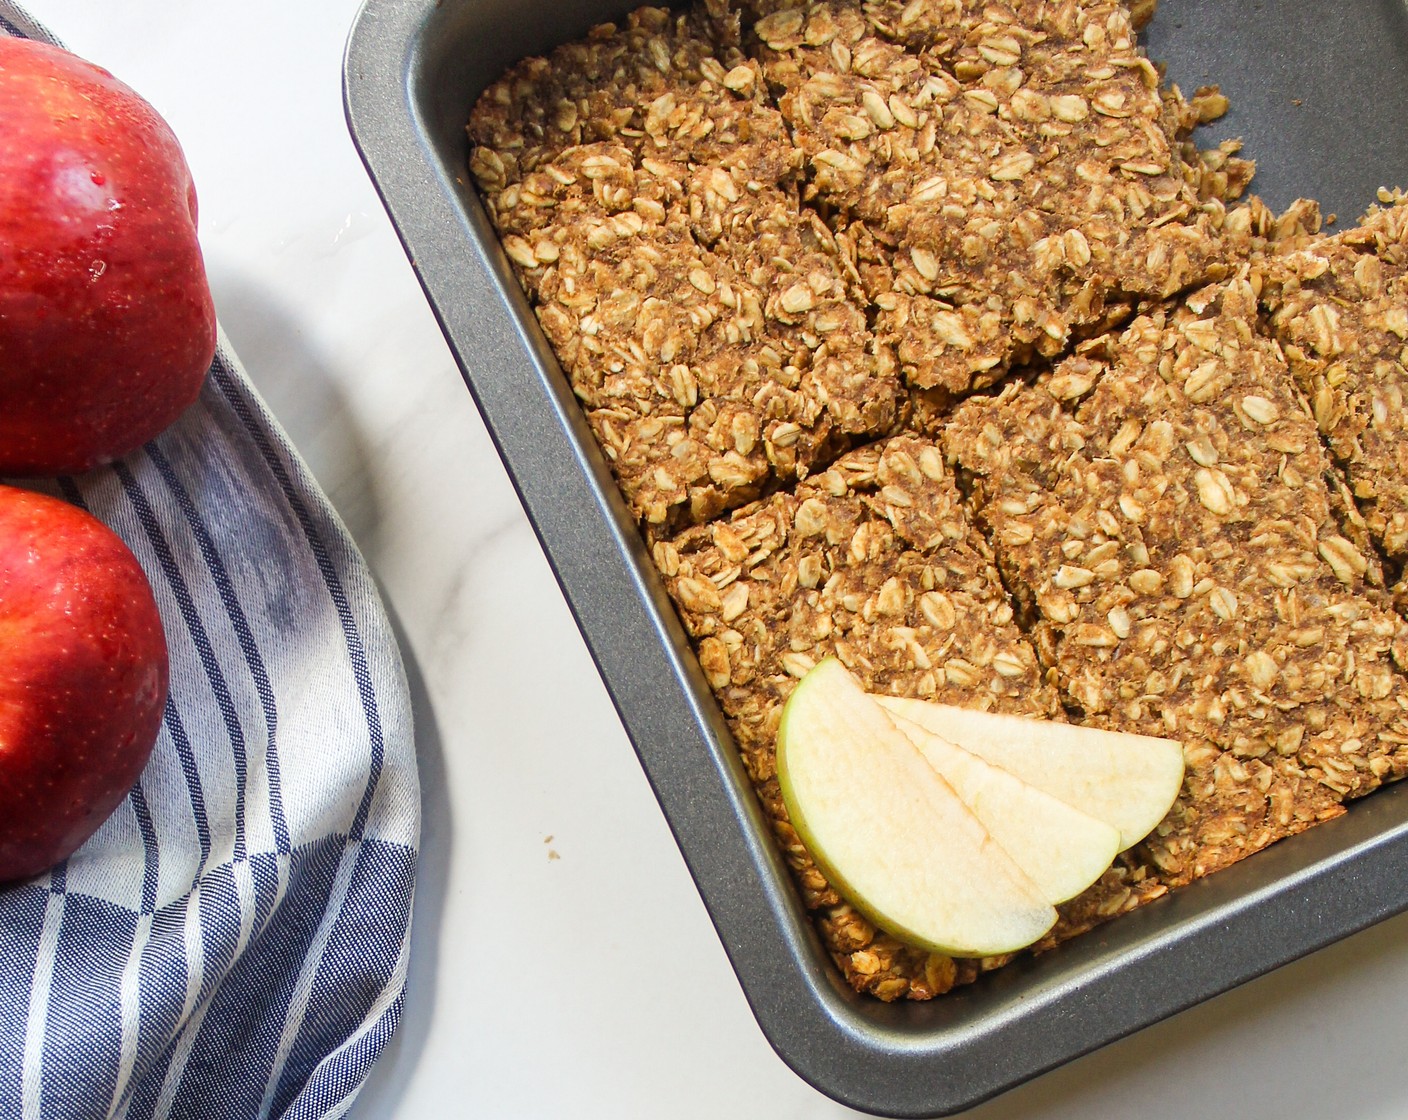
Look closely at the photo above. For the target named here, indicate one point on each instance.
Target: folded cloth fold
(233, 941)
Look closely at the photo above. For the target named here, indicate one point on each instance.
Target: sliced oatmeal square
(709, 374)
(1160, 508)
(1016, 181)
(711, 326)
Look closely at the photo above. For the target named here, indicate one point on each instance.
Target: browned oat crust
(873, 561)
(643, 187)
(1159, 506)
(774, 245)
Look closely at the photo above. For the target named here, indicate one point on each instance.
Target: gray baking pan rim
(411, 73)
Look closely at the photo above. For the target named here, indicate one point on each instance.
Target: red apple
(83, 677)
(106, 322)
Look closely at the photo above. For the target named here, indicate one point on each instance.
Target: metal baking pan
(413, 70)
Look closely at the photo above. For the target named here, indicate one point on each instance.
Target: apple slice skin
(107, 326)
(1061, 849)
(83, 678)
(890, 834)
(1129, 781)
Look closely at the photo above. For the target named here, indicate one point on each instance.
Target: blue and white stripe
(233, 942)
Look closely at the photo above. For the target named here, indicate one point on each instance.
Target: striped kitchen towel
(233, 941)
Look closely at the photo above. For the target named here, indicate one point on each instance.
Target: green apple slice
(891, 835)
(1061, 849)
(1129, 781)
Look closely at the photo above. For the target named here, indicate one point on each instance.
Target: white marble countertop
(563, 965)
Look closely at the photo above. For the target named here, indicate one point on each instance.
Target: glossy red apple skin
(83, 678)
(107, 327)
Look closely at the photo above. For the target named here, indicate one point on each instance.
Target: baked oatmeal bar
(643, 186)
(764, 238)
(1009, 176)
(873, 561)
(1159, 507)
(1340, 310)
